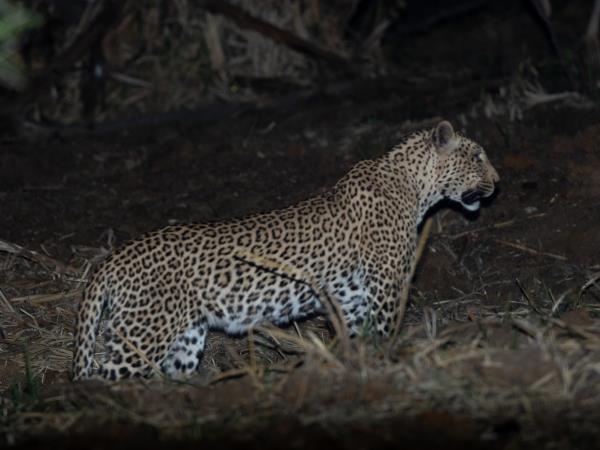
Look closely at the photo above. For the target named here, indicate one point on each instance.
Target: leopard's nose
(494, 174)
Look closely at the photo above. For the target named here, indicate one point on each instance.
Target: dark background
(132, 115)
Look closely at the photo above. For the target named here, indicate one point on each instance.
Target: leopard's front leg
(384, 291)
(388, 268)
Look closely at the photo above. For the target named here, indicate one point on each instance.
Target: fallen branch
(245, 20)
(531, 250)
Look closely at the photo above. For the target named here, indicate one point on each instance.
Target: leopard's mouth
(471, 199)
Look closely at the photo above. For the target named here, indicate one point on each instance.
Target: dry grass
(458, 356)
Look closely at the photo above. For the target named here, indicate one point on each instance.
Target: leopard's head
(463, 172)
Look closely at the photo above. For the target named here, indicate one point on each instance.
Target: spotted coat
(165, 290)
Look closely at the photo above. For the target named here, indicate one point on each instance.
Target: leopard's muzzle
(471, 198)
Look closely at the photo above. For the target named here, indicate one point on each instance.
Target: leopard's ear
(444, 139)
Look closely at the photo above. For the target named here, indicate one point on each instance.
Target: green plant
(14, 21)
(28, 390)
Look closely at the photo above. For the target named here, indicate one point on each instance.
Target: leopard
(162, 293)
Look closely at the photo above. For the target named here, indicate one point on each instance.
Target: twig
(5, 302)
(475, 353)
(558, 302)
(45, 298)
(496, 226)
(404, 299)
(530, 250)
(39, 258)
(574, 329)
(529, 300)
(312, 342)
(233, 373)
(591, 282)
(526, 327)
(253, 368)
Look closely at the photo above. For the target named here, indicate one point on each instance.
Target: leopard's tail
(92, 303)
